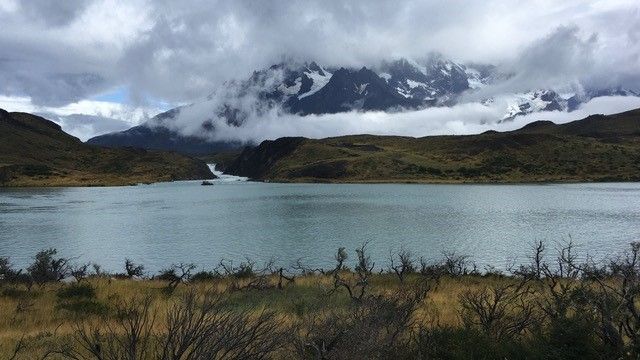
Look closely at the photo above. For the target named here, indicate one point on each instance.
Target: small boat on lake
(206, 183)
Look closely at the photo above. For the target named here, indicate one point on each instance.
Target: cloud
(86, 118)
(63, 52)
(60, 55)
(85, 127)
(461, 119)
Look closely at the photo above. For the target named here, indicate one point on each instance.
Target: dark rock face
(448, 77)
(255, 162)
(352, 90)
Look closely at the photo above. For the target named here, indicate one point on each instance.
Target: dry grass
(40, 314)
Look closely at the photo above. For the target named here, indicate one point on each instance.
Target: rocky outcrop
(258, 161)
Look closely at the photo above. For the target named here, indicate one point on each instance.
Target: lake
(165, 223)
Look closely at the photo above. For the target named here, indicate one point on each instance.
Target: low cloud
(84, 119)
(468, 118)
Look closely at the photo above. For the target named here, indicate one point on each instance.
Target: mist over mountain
(310, 90)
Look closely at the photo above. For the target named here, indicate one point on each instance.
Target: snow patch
(414, 84)
(319, 81)
(403, 92)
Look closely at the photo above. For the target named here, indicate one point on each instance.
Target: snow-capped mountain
(433, 82)
(535, 101)
(550, 100)
(309, 88)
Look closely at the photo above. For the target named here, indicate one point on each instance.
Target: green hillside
(597, 148)
(36, 152)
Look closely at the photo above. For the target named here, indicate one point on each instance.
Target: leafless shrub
(247, 276)
(282, 277)
(175, 275)
(356, 288)
(303, 269)
(619, 298)
(197, 327)
(502, 311)
(97, 269)
(431, 270)
(8, 275)
(561, 281)
(129, 336)
(371, 329)
(340, 257)
(457, 265)
(79, 272)
(403, 265)
(536, 267)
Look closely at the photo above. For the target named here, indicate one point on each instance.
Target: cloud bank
(462, 119)
(63, 52)
(70, 52)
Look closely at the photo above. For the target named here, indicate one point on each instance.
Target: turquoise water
(164, 223)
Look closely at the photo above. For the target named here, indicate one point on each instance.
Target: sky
(97, 66)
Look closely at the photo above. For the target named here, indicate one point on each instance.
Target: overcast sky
(119, 62)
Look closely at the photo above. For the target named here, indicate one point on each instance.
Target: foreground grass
(410, 309)
(49, 314)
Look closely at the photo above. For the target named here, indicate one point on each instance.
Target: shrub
(83, 307)
(17, 293)
(445, 342)
(46, 267)
(9, 275)
(204, 276)
(132, 269)
(76, 291)
(197, 327)
(79, 272)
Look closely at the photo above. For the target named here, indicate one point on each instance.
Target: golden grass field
(43, 318)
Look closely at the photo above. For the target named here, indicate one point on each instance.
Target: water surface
(184, 222)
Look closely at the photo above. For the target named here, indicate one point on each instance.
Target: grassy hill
(597, 148)
(36, 152)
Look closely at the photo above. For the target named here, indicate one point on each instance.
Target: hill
(151, 137)
(597, 148)
(36, 152)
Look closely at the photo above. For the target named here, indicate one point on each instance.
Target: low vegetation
(36, 152)
(554, 307)
(597, 148)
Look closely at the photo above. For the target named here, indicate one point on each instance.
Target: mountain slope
(352, 90)
(597, 148)
(36, 152)
(161, 138)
